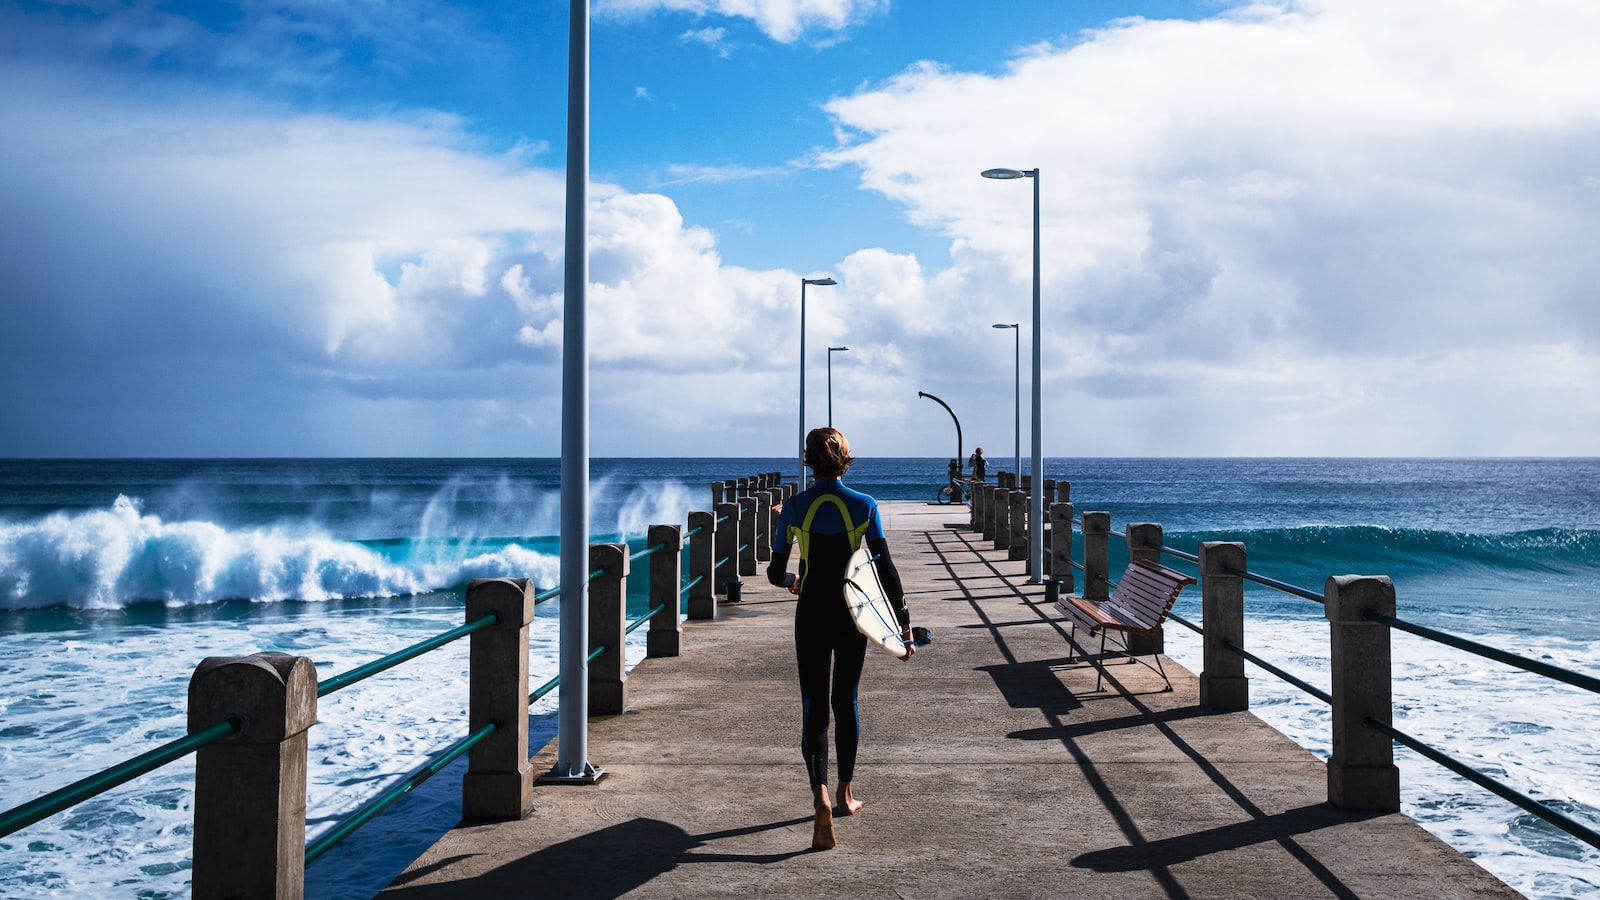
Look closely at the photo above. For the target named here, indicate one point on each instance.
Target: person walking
(829, 522)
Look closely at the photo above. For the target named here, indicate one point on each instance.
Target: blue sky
(1329, 227)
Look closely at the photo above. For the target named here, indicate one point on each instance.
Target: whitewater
(117, 577)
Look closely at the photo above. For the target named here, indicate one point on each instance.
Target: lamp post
(831, 351)
(1016, 438)
(820, 282)
(1036, 486)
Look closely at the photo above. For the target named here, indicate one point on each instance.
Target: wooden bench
(1138, 606)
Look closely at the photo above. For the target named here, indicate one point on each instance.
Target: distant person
(830, 521)
(978, 463)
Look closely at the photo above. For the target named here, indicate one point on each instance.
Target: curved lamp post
(831, 351)
(1036, 485)
(1016, 437)
(820, 282)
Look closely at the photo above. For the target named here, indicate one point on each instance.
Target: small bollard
(734, 590)
(1052, 591)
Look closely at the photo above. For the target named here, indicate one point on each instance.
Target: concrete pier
(989, 767)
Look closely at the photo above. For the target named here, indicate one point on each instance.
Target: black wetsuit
(825, 637)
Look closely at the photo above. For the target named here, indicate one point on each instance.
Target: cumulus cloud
(784, 21)
(387, 277)
(1313, 212)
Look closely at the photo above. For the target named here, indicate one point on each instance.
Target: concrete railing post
(763, 518)
(608, 628)
(1096, 555)
(498, 785)
(1361, 771)
(990, 517)
(1002, 518)
(1144, 545)
(747, 536)
(1061, 547)
(702, 547)
(1017, 525)
(1223, 684)
(665, 637)
(716, 493)
(727, 552)
(250, 789)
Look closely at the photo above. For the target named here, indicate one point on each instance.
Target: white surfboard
(873, 613)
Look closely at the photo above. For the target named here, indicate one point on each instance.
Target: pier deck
(988, 765)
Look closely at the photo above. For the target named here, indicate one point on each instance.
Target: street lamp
(1036, 486)
(820, 282)
(831, 351)
(1016, 438)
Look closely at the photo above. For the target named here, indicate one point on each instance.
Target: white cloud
(687, 174)
(711, 37)
(312, 269)
(1288, 214)
(782, 20)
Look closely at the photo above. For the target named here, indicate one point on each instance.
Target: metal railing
(1499, 788)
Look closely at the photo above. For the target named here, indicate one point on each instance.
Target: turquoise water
(117, 576)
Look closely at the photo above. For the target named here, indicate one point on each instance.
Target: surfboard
(869, 608)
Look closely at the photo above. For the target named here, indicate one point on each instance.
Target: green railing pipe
(383, 801)
(691, 583)
(1565, 676)
(634, 625)
(21, 817)
(359, 673)
(1554, 817)
(646, 552)
(549, 593)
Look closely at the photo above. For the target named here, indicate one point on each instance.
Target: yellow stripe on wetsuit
(803, 532)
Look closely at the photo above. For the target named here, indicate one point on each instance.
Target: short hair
(828, 452)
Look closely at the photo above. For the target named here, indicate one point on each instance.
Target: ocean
(117, 576)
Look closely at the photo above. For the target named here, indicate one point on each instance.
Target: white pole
(572, 737)
(1036, 486)
(801, 441)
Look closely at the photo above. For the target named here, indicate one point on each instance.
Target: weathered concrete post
(1048, 500)
(1061, 546)
(250, 789)
(716, 493)
(763, 519)
(773, 512)
(747, 536)
(1144, 545)
(1223, 684)
(1017, 524)
(608, 628)
(702, 547)
(1361, 771)
(665, 637)
(1096, 555)
(741, 488)
(1002, 518)
(727, 552)
(498, 785)
(989, 524)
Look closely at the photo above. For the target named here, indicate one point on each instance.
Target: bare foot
(848, 804)
(822, 836)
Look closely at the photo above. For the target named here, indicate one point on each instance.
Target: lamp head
(825, 280)
(1003, 325)
(1004, 174)
(831, 349)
